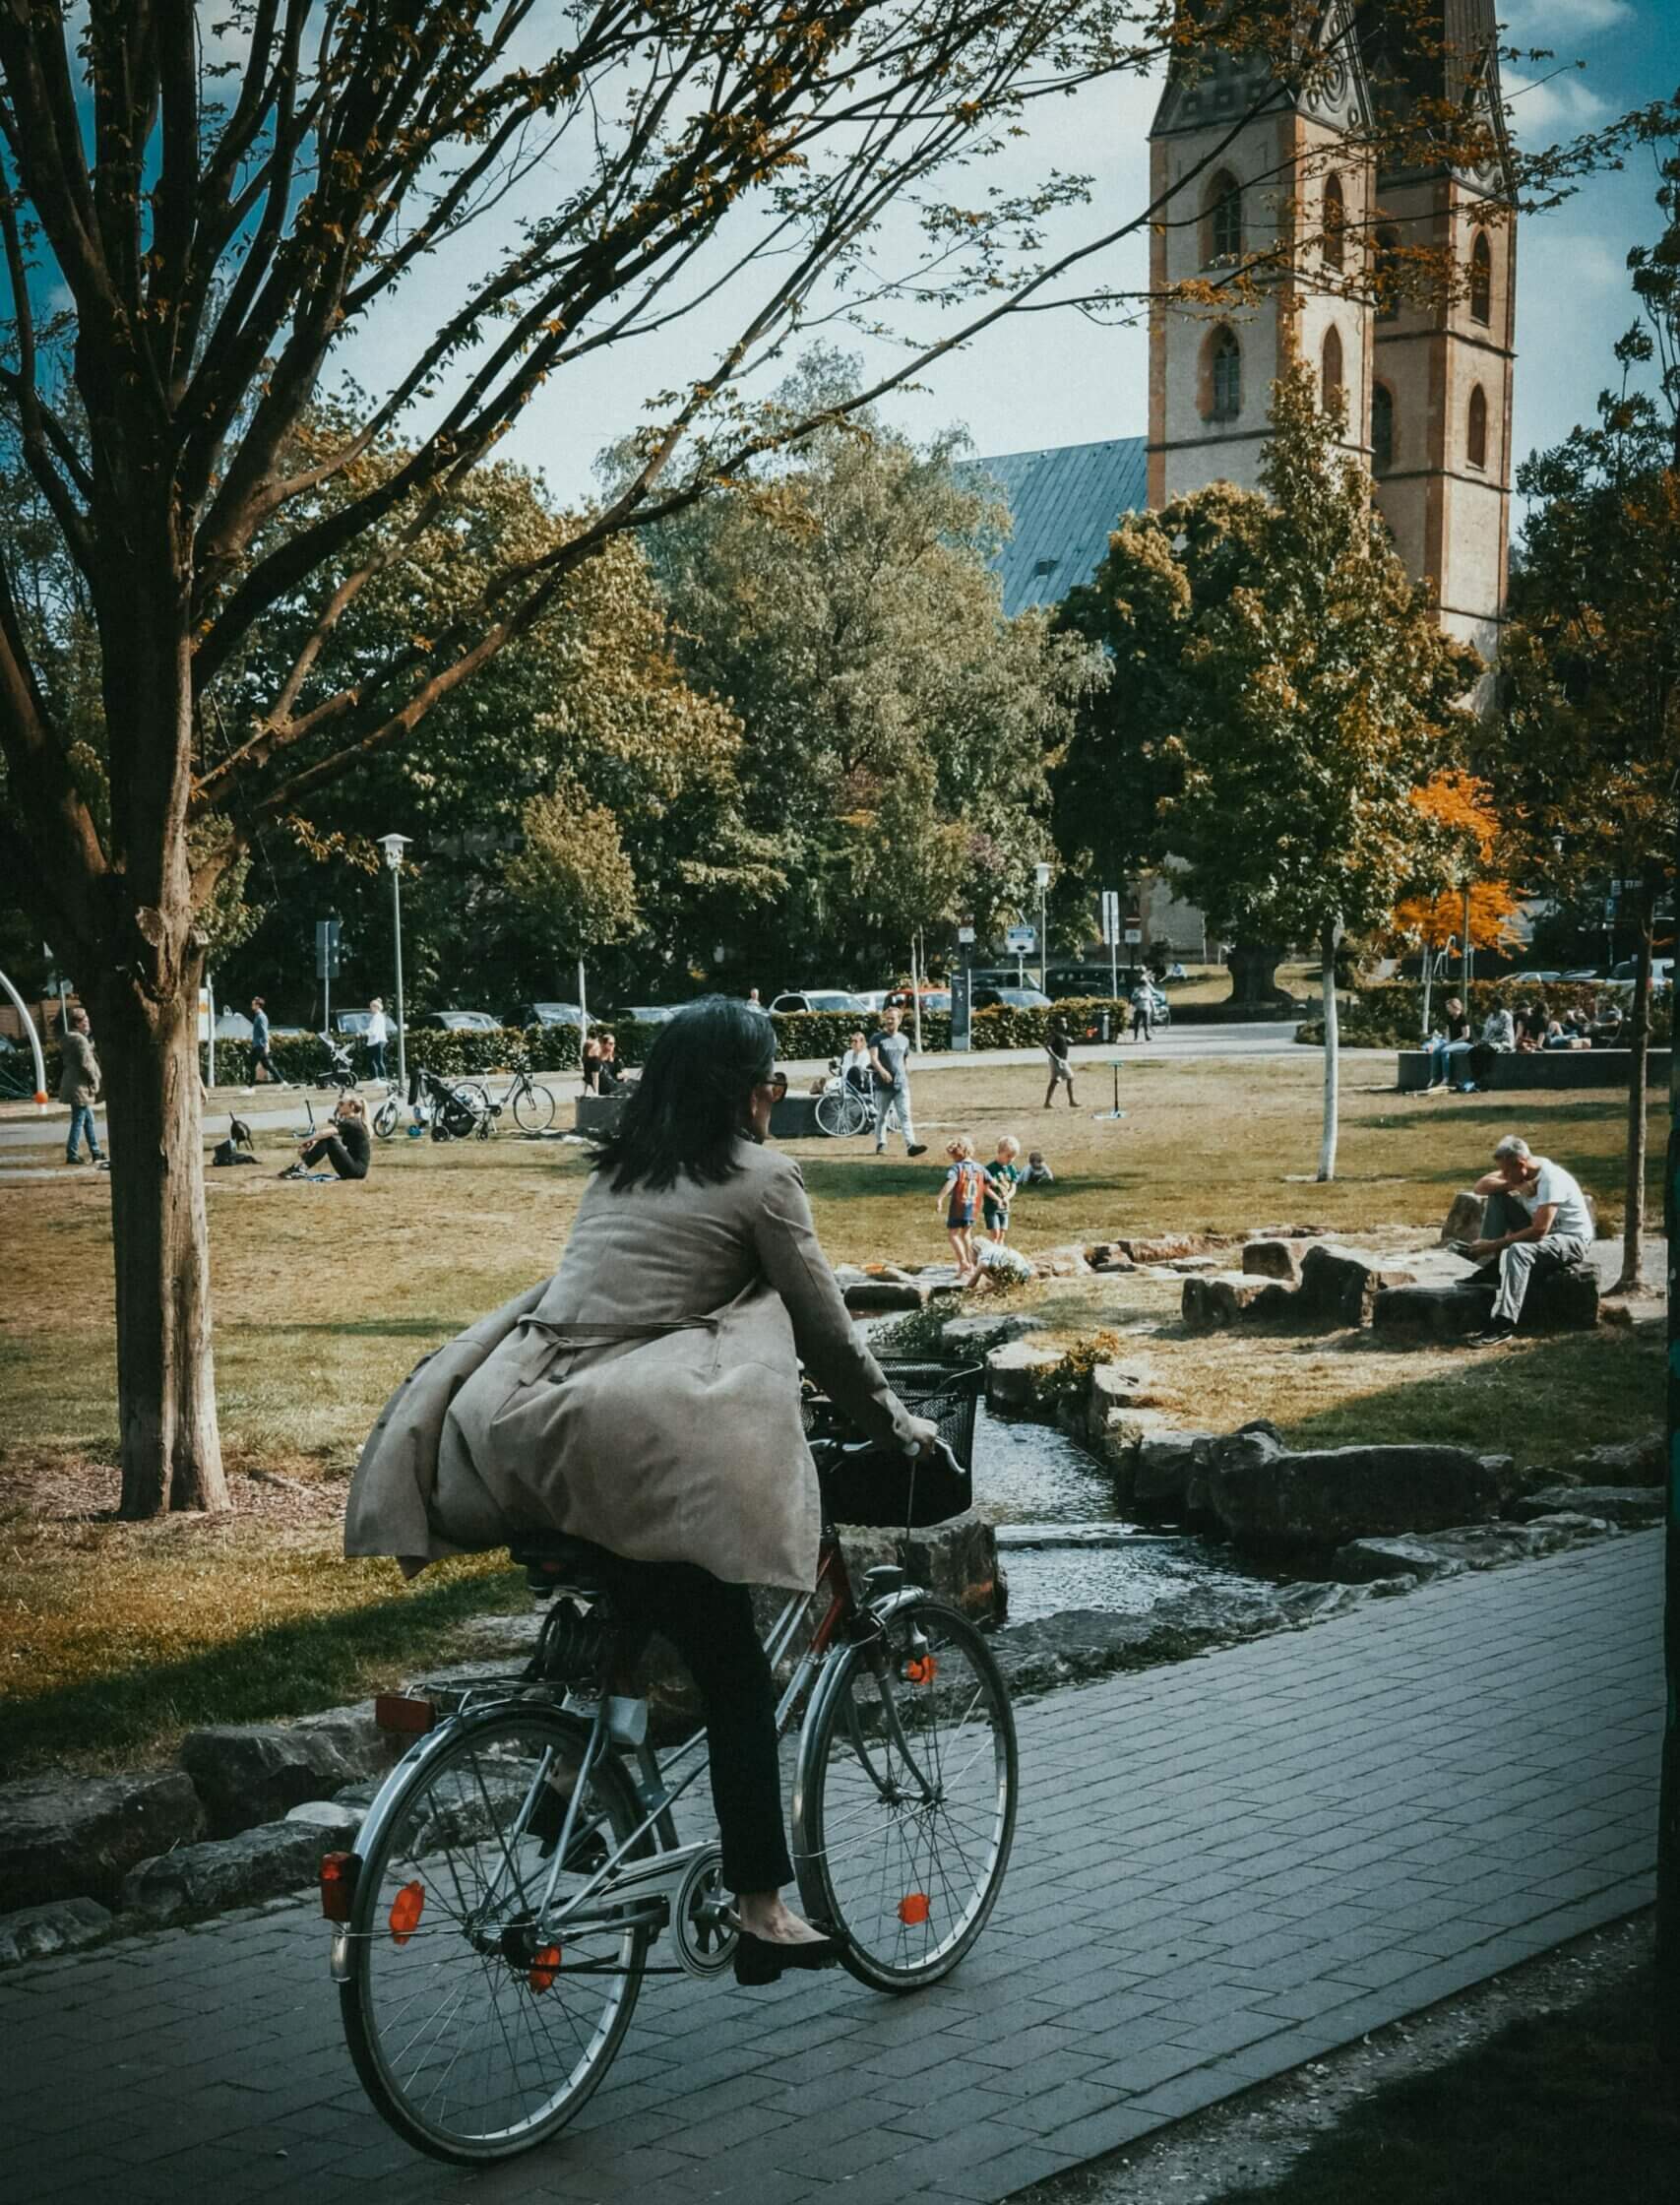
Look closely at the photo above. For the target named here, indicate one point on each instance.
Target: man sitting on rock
(1536, 1218)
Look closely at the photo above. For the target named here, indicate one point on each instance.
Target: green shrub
(1067, 1384)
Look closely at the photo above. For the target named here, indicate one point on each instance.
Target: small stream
(1032, 1474)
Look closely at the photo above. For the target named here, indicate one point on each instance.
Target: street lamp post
(1041, 872)
(394, 845)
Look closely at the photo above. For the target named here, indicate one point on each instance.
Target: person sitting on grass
(1535, 1219)
(959, 1199)
(1039, 1172)
(345, 1146)
(1002, 1176)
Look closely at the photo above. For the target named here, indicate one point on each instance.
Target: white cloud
(1554, 106)
(1554, 23)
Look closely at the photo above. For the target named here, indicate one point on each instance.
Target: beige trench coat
(647, 1398)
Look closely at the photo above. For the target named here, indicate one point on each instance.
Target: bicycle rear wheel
(903, 1810)
(533, 1109)
(387, 1117)
(477, 2027)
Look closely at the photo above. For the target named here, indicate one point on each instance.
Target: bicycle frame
(627, 1891)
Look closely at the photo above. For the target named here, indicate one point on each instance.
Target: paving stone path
(1223, 1868)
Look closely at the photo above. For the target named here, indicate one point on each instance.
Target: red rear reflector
(403, 1713)
(544, 1967)
(337, 1884)
(406, 1912)
(912, 1908)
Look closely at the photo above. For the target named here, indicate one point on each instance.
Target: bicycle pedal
(626, 1721)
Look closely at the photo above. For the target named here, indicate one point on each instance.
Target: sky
(1060, 379)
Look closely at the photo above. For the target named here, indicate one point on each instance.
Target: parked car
(1582, 972)
(351, 1022)
(903, 999)
(649, 1014)
(456, 1021)
(1661, 971)
(1536, 979)
(1010, 998)
(522, 1015)
(818, 999)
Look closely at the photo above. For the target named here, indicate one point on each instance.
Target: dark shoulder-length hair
(688, 1109)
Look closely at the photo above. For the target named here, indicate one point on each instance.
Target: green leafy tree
(898, 730)
(1306, 691)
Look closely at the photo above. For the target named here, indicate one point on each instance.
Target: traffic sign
(1134, 934)
(1110, 916)
(1021, 941)
(964, 933)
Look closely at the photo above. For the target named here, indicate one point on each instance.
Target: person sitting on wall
(1498, 1037)
(610, 1076)
(1535, 1219)
(1442, 1048)
(1607, 1031)
(1558, 1037)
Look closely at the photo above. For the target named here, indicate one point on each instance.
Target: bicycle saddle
(551, 1559)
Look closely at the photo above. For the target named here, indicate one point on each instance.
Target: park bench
(1543, 1069)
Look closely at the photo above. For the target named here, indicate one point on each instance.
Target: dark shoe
(916, 1147)
(1495, 1336)
(761, 1960)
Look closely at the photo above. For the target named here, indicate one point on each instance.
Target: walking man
(1143, 1008)
(78, 1085)
(261, 1060)
(1535, 1219)
(889, 1054)
(377, 1037)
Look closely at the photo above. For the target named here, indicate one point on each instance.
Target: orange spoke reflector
(406, 1912)
(921, 1668)
(544, 1967)
(912, 1908)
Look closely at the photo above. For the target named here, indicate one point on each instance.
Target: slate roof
(1065, 503)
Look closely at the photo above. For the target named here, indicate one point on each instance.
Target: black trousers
(331, 1149)
(710, 1624)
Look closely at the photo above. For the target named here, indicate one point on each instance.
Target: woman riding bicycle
(648, 1401)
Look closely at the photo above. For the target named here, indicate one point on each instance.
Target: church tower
(1293, 202)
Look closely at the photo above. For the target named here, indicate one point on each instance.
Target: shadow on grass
(288, 1669)
(1562, 2109)
(1541, 1397)
(367, 1328)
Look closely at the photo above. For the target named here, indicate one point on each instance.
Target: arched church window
(1335, 224)
(1332, 362)
(1481, 279)
(1387, 273)
(1223, 241)
(1224, 376)
(1475, 443)
(1382, 427)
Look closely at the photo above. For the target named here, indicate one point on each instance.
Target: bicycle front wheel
(533, 1109)
(479, 2021)
(904, 1809)
(387, 1117)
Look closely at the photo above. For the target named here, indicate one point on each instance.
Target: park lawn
(113, 1636)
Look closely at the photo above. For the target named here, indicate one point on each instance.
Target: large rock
(1272, 1259)
(247, 1773)
(1432, 1312)
(1214, 1304)
(1162, 1469)
(958, 1561)
(880, 1298)
(1340, 1286)
(1364, 1560)
(1628, 1507)
(75, 1837)
(1013, 1370)
(1464, 1218)
(1266, 1498)
(197, 1879)
(1563, 1300)
(966, 1337)
(35, 1932)
(1168, 1247)
(1625, 1462)
(1115, 1389)
(1060, 1263)
(1108, 1255)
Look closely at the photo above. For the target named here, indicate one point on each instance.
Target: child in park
(960, 1200)
(1002, 1176)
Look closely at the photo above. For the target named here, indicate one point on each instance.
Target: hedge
(1391, 1016)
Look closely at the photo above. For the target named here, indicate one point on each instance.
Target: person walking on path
(261, 1060)
(888, 1056)
(1535, 1219)
(1143, 1008)
(377, 1037)
(78, 1085)
(1058, 1047)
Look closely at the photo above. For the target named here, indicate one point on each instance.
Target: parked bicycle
(493, 1923)
(533, 1106)
(842, 1108)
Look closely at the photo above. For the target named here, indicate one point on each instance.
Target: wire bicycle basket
(879, 1486)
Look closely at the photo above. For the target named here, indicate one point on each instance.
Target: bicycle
(532, 1105)
(492, 1926)
(842, 1110)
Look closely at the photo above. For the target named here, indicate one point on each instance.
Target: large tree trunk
(171, 1452)
(1254, 972)
(1332, 1055)
(1638, 1059)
